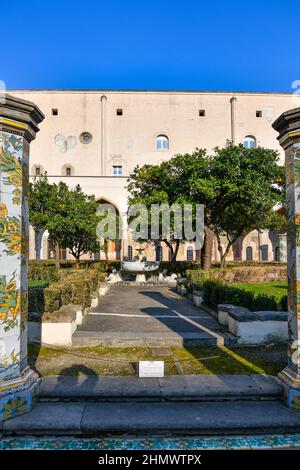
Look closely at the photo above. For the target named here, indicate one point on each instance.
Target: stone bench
(225, 309)
(54, 328)
(254, 327)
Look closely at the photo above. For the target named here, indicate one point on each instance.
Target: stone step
(151, 339)
(169, 388)
(173, 419)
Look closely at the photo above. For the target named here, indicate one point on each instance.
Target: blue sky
(130, 44)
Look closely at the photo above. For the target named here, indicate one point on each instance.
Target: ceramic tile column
(19, 121)
(282, 247)
(288, 126)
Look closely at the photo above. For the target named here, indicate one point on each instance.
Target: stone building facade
(94, 138)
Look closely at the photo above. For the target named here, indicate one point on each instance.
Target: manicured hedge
(73, 287)
(216, 292)
(40, 272)
(249, 274)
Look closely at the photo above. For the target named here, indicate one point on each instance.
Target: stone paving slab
(131, 315)
(209, 418)
(187, 387)
(152, 339)
(54, 418)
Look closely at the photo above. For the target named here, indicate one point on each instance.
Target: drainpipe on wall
(232, 116)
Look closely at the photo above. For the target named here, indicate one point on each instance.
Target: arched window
(250, 142)
(37, 170)
(158, 253)
(190, 253)
(129, 253)
(161, 142)
(67, 170)
(249, 253)
(264, 252)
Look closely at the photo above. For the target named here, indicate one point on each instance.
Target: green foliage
(42, 273)
(69, 215)
(239, 188)
(73, 287)
(42, 202)
(36, 302)
(165, 183)
(74, 221)
(52, 298)
(216, 292)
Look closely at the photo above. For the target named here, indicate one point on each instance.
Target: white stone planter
(74, 308)
(55, 329)
(103, 289)
(198, 298)
(94, 302)
(223, 311)
(258, 327)
(183, 290)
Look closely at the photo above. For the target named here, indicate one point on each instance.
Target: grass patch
(37, 283)
(189, 361)
(272, 289)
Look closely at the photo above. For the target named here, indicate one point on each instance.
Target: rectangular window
(201, 112)
(54, 112)
(258, 114)
(117, 170)
(119, 112)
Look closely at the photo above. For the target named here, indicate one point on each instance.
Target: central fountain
(139, 266)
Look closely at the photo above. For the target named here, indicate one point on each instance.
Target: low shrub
(52, 297)
(216, 292)
(73, 287)
(36, 302)
(239, 274)
(39, 272)
(179, 267)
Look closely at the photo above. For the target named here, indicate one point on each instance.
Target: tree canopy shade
(239, 188)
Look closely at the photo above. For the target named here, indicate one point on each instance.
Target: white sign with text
(151, 368)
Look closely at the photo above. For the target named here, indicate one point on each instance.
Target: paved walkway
(138, 316)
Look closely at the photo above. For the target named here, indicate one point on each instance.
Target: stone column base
(291, 384)
(17, 394)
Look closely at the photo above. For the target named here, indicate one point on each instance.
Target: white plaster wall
(129, 139)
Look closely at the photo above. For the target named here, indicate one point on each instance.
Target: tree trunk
(38, 236)
(220, 249)
(207, 248)
(78, 262)
(106, 250)
(57, 261)
(174, 251)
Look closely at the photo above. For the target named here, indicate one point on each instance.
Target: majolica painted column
(19, 121)
(282, 247)
(288, 126)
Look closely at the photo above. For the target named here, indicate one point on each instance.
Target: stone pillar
(288, 126)
(103, 103)
(233, 100)
(282, 247)
(19, 121)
